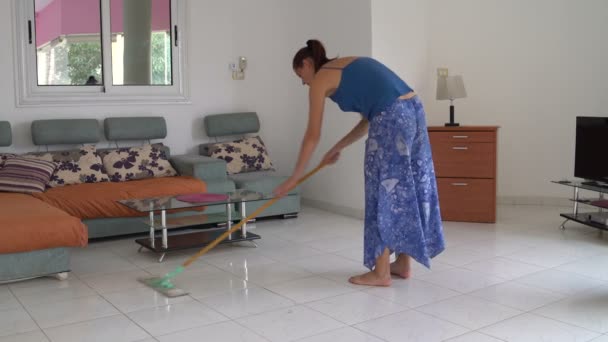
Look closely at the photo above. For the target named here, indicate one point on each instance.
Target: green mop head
(164, 284)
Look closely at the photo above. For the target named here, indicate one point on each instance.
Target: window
(100, 51)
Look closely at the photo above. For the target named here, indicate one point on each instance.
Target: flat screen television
(591, 159)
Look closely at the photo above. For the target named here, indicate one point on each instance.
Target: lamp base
(451, 123)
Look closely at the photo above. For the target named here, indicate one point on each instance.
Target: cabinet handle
(460, 136)
(460, 148)
(460, 184)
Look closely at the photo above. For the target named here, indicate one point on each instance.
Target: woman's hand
(284, 188)
(331, 157)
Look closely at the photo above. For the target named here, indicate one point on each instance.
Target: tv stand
(595, 183)
(597, 207)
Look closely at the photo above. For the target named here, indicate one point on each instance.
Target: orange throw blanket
(28, 224)
(99, 200)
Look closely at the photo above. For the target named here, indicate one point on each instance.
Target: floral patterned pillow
(148, 161)
(244, 155)
(74, 167)
(4, 157)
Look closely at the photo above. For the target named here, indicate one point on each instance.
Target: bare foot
(371, 279)
(400, 270)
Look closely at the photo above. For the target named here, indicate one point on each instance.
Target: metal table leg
(563, 225)
(243, 215)
(151, 226)
(229, 218)
(163, 218)
(575, 209)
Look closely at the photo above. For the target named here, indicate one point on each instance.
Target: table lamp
(450, 88)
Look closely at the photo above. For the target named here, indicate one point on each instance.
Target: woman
(401, 207)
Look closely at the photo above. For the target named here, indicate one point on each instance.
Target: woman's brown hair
(314, 50)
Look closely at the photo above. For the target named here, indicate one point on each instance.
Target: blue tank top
(368, 87)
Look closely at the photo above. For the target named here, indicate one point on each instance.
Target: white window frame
(28, 93)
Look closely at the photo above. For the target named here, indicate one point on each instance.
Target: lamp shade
(450, 88)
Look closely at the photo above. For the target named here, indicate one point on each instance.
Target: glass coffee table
(158, 207)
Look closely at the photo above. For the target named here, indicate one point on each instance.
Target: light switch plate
(442, 72)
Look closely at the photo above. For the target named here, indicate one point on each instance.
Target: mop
(164, 284)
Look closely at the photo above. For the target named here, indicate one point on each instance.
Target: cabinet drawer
(461, 137)
(470, 160)
(470, 200)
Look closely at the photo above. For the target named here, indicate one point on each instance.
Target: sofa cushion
(65, 132)
(263, 181)
(132, 163)
(6, 134)
(243, 155)
(135, 128)
(25, 175)
(4, 157)
(28, 224)
(99, 200)
(234, 124)
(75, 167)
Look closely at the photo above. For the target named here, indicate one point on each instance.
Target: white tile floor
(521, 279)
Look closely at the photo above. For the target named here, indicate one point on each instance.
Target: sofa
(39, 229)
(226, 127)
(51, 231)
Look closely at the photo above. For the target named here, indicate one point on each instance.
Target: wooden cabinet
(465, 166)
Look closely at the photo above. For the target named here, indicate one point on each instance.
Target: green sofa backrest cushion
(135, 128)
(65, 132)
(6, 138)
(218, 125)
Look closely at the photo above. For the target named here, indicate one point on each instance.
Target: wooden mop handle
(252, 215)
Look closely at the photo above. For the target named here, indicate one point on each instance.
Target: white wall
(530, 67)
(399, 40)
(344, 27)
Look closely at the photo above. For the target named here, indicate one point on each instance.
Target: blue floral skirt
(401, 203)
